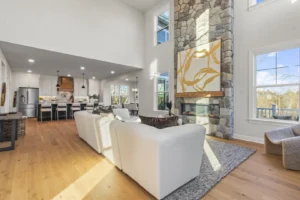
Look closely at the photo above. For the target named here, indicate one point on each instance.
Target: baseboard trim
(248, 138)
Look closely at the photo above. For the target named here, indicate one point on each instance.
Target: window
(162, 91)
(119, 94)
(163, 27)
(253, 4)
(277, 85)
(124, 94)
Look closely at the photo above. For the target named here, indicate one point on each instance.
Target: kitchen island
(47, 116)
(9, 123)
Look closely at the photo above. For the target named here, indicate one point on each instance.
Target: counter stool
(75, 107)
(89, 106)
(61, 107)
(46, 108)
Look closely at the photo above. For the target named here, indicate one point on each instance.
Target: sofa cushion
(296, 130)
(122, 114)
(102, 109)
(159, 122)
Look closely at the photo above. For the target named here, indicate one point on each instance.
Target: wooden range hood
(66, 84)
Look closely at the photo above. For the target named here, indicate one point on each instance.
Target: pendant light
(135, 89)
(83, 87)
(57, 85)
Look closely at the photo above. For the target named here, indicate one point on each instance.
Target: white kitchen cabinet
(76, 88)
(78, 91)
(53, 88)
(34, 80)
(45, 87)
(94, 87)
(28, 80)
(81, 91)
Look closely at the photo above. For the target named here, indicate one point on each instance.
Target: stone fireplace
(198, 22)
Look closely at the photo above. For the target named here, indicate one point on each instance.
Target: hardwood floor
(51, 161)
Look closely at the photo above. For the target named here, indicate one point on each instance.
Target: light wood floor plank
(51, 161)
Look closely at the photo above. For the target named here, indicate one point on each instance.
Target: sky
(281, 67)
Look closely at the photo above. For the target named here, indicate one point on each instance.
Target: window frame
(157, 13)
(119, 86)
(253, 87)
(161, 29)
(253, 5)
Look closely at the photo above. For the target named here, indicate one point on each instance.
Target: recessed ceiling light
(82, 68)
(126, 79)
(94, 77)
(29, 71)
(112, 72)
(69, 75)
(31, 60)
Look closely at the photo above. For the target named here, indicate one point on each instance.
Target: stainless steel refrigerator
(28, 101)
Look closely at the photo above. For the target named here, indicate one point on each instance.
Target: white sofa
(160, 160)
(94, 129)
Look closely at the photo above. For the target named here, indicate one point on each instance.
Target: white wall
(106, 30)
(274, 23)
(158, 59)
(6, 77)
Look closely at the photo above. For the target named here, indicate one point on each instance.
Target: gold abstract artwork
(198, 69)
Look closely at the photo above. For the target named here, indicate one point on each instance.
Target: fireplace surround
(197, 23)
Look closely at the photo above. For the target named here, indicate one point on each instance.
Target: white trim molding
(248, 138)
(253, 5)
(252, 82)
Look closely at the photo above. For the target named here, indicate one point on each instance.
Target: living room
(183, 99)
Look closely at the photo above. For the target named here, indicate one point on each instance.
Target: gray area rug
(218, 160)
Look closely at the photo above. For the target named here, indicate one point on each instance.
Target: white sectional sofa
(94, 129)
(160, 160)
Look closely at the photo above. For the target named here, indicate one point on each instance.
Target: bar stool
(61, 107)
(75, 107)
(46, 108)
(89, 106)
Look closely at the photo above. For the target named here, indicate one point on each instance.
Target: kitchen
(36, 91)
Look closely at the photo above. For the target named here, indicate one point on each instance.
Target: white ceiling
(142, 5)
(48, 62)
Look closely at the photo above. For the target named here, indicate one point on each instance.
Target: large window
(278, 84)
(119, 94)
(162, 91)
(163, 27)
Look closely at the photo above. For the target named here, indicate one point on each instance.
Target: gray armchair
(285, 142)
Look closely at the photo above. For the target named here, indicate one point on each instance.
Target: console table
(13, 117)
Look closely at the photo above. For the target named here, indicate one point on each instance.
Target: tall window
(163, 27)
(162, 91)
(278, 84)
(119, 94)
(124, 94)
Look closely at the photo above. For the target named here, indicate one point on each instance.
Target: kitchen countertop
(17, 115)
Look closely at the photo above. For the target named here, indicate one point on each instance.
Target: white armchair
(94, 129)
(124, 115)
(160, 160)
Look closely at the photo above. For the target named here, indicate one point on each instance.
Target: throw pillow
(160, 123)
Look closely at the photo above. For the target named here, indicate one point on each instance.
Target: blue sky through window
(259, 1)
(278, 67)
